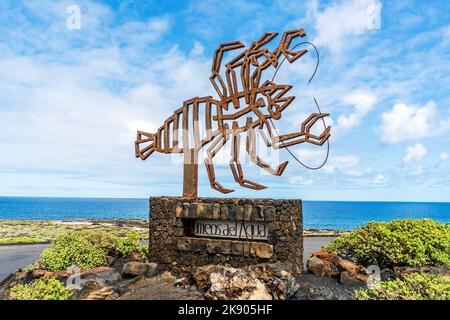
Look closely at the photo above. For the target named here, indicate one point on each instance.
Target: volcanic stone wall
(176, 248)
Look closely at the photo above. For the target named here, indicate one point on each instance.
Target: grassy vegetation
(21, 240)
(18, 231)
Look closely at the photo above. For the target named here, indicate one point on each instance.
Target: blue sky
(71, 100)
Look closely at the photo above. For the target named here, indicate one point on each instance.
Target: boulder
(330, 263)
(152, 269)
(322, 265)
(135, 268)
(316, 266)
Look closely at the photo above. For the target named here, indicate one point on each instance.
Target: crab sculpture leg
(304, 135)
(251, 151)
(219, 140)
(235, 165)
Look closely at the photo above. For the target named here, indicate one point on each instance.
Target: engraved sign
(250, 230)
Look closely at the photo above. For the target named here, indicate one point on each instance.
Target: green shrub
(128, 244)
(41, 289)
(415, 286)
(397, 243)
(101, 239)
(72, 249)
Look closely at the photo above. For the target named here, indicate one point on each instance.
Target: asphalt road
(19, 256)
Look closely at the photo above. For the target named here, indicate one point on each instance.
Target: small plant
(397, 243)
(73, 248)
(416, 286)
(41, 289)
(31, 267)
(128, 244)
(143, 250)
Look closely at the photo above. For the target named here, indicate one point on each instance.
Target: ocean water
(316, 214)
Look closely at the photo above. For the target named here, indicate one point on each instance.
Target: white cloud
(363, 102)
(300, 180)
(198, 49)
(444, 156)
(138, 32)
(341, 20)
(446, 34)
(414, 153)
(405, 122)
(379, 179)
(417, 172)
(347, 165)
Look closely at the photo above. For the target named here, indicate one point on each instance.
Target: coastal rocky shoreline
(37, 231)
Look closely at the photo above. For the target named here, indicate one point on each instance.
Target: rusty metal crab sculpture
(246, 97)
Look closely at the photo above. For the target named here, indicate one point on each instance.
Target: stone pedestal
(188, 233)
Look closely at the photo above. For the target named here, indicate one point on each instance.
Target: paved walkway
(19, 256)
